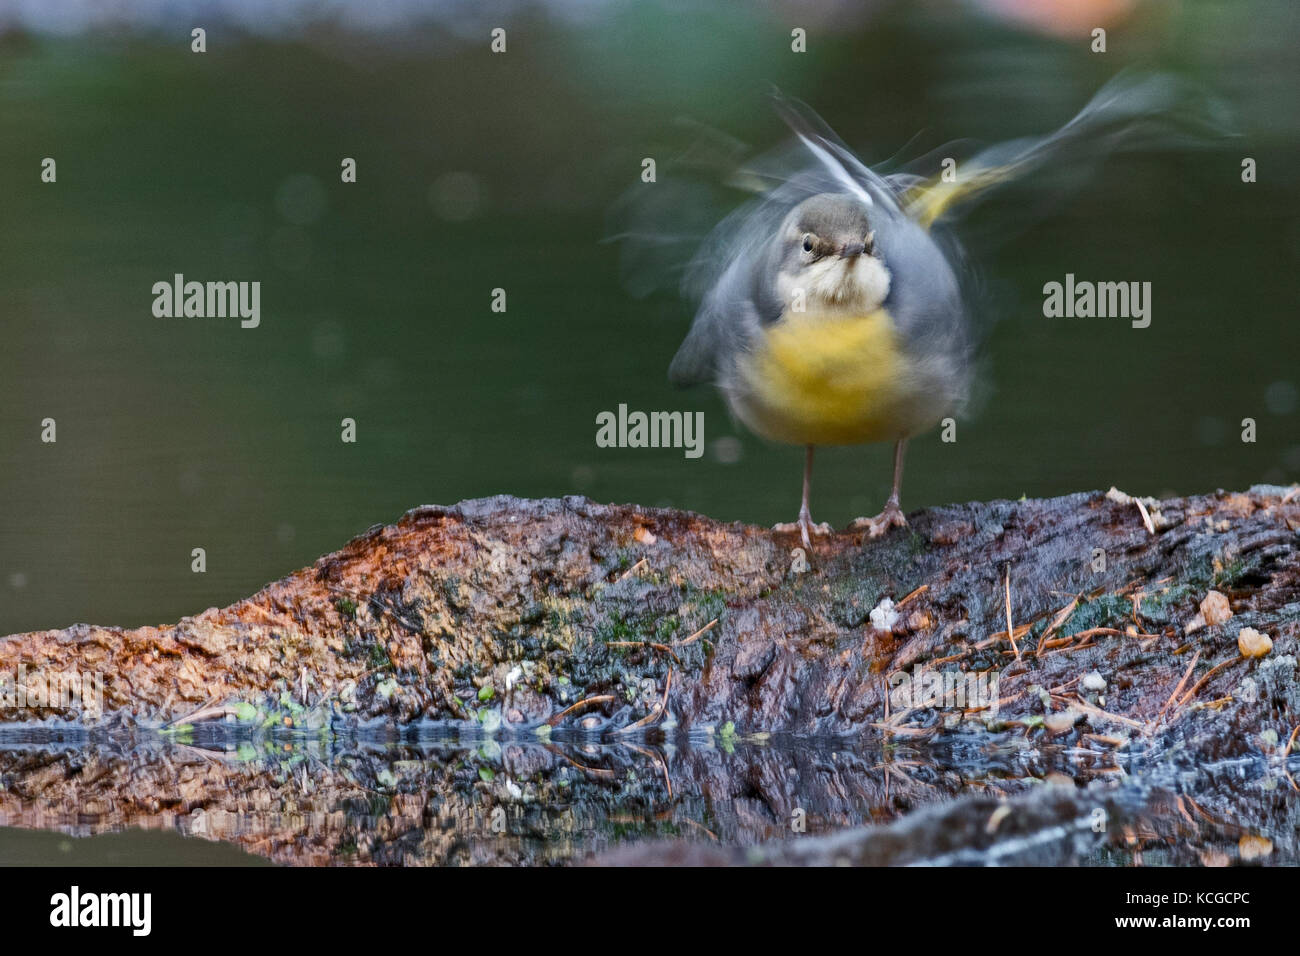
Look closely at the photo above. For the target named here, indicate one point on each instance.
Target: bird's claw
(805, 527)
(891, 517)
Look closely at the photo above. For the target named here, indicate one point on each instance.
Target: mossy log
(564, 619)
(523, 609)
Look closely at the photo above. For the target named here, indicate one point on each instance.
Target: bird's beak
(852, 250)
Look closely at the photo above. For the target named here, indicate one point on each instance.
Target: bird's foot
(805, 527)
(891, 517)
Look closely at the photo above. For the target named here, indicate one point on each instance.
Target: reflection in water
(446, 801)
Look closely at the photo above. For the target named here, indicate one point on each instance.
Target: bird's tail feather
(1131, 111)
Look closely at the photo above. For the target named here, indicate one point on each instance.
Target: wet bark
(566, 619)
(526, 608)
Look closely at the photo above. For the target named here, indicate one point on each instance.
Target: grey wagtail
(833, 308)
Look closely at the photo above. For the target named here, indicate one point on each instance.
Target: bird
(836, 307)
(850, 328)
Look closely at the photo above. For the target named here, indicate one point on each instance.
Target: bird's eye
(807, 242)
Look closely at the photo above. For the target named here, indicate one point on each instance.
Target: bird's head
(828, 260)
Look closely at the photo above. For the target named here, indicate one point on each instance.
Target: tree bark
(537, 620)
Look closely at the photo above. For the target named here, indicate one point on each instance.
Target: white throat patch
(860, 284)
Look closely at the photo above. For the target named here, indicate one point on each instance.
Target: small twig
(896, 719)
(700, 826)
(1206, 679)
(1068, 649)
(656, 711)
(1146, 516)
(1062, 688)
(1054, 642)
(1286, 753)
(1081, 704)
(631, 570)
(1181, 684)
(1118, 496)
(697, 635)
(998, 636)
(206, 713)
(911, 594)
(1011, 635)
(1112, 632)
(1097, 632)
(194, 713)
(893, 725)
(1057, 621)
(949, 659)
(1218, 823)
(1217, 703)
(1291, 742)
(580, 705)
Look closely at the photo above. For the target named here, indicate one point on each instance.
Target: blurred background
(478, 171)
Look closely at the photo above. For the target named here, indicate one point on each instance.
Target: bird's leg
(805, 524)
(893, 514)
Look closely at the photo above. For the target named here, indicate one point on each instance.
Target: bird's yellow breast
(824, 379)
